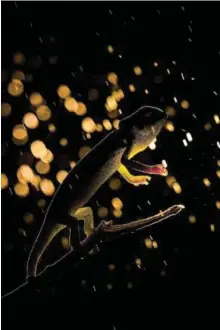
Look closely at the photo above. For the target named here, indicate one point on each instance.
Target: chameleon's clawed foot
(141, 180)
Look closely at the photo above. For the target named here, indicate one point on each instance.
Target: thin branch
(105, 231)
(108, 227)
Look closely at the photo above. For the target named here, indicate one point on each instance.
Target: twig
(105, 231)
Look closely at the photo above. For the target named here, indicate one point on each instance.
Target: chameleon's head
(144, 124)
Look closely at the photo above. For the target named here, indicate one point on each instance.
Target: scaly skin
(69, 203)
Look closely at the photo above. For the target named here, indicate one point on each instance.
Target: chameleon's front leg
(136, 180)
(86, 214)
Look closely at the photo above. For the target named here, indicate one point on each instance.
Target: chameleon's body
(69, 203)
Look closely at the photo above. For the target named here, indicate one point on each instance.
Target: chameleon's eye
(140, 125)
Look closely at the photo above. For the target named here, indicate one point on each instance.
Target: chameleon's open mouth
(158, 169)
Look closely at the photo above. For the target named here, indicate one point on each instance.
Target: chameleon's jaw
(158, 169)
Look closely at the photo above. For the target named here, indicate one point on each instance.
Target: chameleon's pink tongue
(158, 169)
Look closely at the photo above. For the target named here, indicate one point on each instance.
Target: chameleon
(114, 153)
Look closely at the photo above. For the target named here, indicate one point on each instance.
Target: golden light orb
(52, 128)
(47, 187)
(48, 158)
(111, 103)
(71, 104)
(112, 78)
(84, 151)
(88, 125)
(19, 75)
(110, 49)
(43, 112)
(107, 124)
(115, 183)
(81, 110)
(137, 70)
(42, 168)
(192, 219)
(185, 104)
(170, 111)
(30, 120)
(22, 190)
(25, 173)
(206, 182)
(5, 109)
(72, 164)
(61, 175)
(41, 203)
(36, 99)
(63, 142)
(15, 87)
(4, 181)
(117, 203)
(116, 123)
(177, 188)
(38, 149)
(148, 243)
(155, 244)
(102, 212)
(99, 128)
(113, 114)
(28, 218)
(63, 91)
(20, 133)
(19, 58)
(169, 126)
(132, 88)
(117, 213)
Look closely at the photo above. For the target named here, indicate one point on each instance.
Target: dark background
(78, 34)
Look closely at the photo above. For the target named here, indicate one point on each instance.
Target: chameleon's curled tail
(46, 234)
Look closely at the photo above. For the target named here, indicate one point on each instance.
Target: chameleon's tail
(46, 234)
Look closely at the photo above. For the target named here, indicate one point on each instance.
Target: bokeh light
(43, 113)
(117, 203)
(137, 70)
(185, 104)
(4, 181)
(36, 99)
(48, 158)
(102, 212)
(112, 78)
(88, 125)
(47, 187)
(63, 91)
(21, 190)
(63, 142)
(38, 149)
(107, 124)
(42, 168)
(61, 175)
(19, 58)
(15, 87)
(28, 218)
(30, 120)
(81, 109)
(20, 133)
(84, 151)
(71, 104)
(115, 183)
(5, 109)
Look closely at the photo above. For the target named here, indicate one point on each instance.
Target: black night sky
(78, 45)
